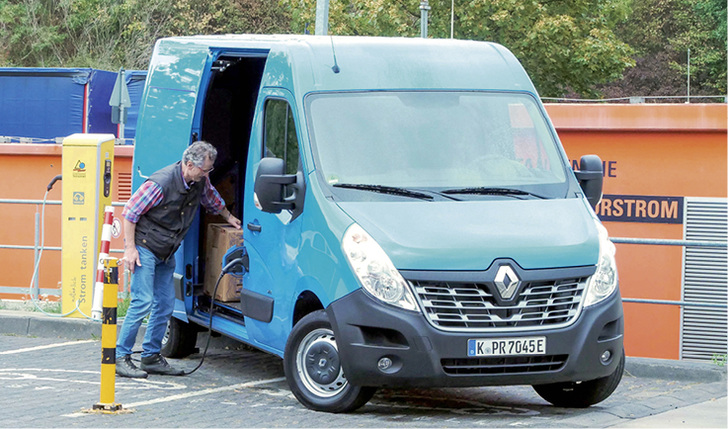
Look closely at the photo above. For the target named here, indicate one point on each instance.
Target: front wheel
(583, 394)
(179, 339)
(313, 369)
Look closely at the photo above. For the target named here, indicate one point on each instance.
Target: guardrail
(36, 247)
(663, 242)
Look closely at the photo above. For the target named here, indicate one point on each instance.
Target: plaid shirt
(150, 195)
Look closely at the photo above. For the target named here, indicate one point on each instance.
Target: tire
(313, 368)
(179, 340)
(584, 394)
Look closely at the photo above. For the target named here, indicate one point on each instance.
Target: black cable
(209, 331)
(224, 271)
(55, 179)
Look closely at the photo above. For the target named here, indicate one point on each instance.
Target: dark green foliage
(661, 31)
(109, 34)
(588, 48)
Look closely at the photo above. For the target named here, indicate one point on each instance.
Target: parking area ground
(48, 381)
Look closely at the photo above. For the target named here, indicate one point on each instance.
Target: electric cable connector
(53, 182)
(236, 263)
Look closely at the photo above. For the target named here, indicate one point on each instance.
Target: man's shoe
(156, 364)
(126, 368)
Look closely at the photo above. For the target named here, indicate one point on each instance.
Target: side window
(280, 140)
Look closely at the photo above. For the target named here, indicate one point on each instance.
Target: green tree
(578, 47)
(704, 33)
(661, 31)
(30, 33)
(108, 34)
(565, 45)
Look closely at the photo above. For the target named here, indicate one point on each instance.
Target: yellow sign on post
(87, 175)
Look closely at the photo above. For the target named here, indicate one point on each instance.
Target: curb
(34, 324)
(39, 325)
(678, 370)
(14, 322)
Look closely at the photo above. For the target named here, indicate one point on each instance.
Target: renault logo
(507, 281)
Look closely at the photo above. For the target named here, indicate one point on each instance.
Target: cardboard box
(220, 238)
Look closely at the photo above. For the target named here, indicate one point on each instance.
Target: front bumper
(367, 330)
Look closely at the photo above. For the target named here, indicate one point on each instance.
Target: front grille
(472, 306)
(503, 365)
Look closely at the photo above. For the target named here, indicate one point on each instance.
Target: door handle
(255, 227)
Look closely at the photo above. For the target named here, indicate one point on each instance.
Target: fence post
(36, 255)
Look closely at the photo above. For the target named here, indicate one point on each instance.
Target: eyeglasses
(191, 164)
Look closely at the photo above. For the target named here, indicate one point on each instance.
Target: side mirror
(270, 187)
(591, 178)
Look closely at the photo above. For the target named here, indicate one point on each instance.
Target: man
(156, 219)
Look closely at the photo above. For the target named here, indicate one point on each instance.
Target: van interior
(227, 118)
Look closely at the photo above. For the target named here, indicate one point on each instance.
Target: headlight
(375, 270)
(604, 281)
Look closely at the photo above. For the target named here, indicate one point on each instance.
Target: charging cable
(235, 263)
(34, 299)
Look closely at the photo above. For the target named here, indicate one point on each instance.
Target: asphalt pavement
(42, 386)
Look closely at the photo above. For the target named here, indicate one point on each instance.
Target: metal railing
(37, 248)
(664, 242)
(55, 140)
(640, 99)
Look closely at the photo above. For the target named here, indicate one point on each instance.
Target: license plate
(507, 346)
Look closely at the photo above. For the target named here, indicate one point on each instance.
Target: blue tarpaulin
(46, 103)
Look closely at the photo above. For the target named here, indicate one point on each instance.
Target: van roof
(367, 62)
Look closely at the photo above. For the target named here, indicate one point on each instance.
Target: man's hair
(198, 151)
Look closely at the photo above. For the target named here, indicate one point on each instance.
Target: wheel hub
(167, 333)
(322, 362)
(319, 364)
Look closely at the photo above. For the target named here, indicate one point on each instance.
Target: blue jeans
(152, 289)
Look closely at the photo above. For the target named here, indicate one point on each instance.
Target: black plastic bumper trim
(424, 353)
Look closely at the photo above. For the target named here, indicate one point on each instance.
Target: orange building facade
(659, 162)
(27, 171)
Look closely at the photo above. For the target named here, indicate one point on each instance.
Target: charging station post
(87, 176)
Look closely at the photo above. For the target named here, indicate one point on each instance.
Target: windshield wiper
(491, 191)
(385, 190)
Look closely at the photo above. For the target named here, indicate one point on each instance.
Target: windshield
(452, 142)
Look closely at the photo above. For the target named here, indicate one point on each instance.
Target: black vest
(162, 228)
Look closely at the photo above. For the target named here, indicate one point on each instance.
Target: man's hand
(232, 220)
(131, 258)
(131, 254)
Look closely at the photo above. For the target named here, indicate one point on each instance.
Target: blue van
(410, 217)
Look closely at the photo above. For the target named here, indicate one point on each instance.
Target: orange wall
(26, 171)
(653, 150)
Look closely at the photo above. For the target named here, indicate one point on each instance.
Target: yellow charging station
(88, 161)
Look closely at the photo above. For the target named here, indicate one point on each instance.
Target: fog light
(384, 363)
(606, 356)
